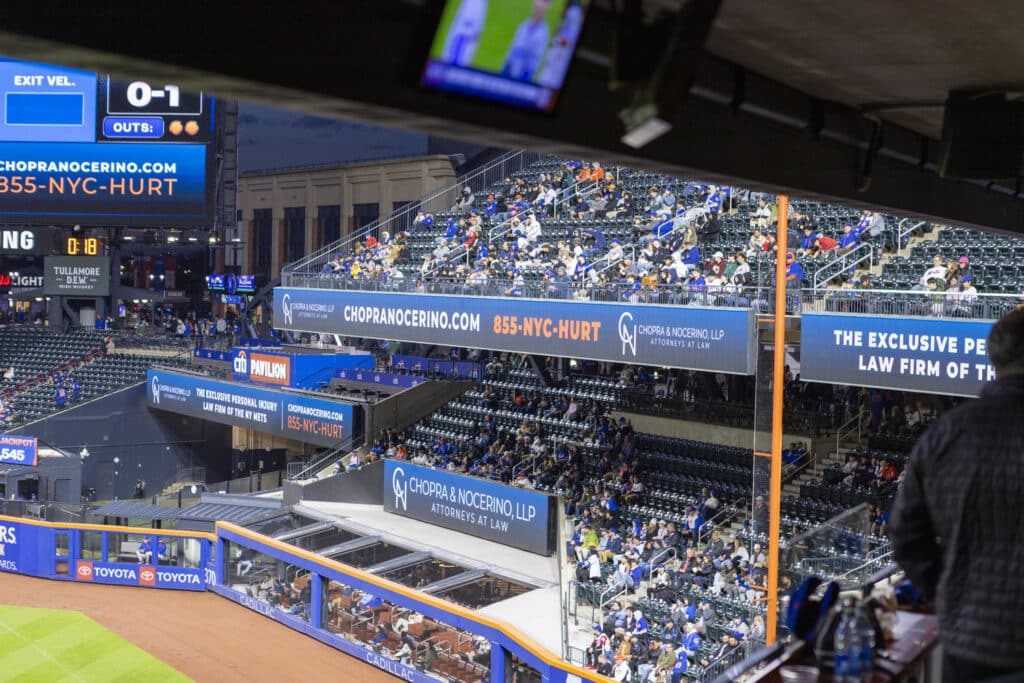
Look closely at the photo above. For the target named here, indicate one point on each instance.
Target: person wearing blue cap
(960, 301)
(597, 646)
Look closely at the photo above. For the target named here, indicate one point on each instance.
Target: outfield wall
(215, 562)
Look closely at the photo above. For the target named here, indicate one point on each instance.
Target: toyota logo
(84, 571)
(147, 575)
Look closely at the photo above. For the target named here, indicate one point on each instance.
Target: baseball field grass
(44, 645)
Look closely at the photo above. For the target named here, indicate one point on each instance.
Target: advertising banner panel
(257, 366)
(122, 574)
(10, 549)
(76, 276)
(695, 337)
(304, 418)
(19, 450)
(928, 355)
(81, 147)
(479, 507)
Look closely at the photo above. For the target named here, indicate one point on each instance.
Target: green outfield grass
(503, 18)
(43, 645)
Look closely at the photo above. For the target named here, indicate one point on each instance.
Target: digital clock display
(84, 246)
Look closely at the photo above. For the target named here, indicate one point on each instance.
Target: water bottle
(867, 643)
(847, 646)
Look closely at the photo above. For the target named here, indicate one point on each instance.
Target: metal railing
(253, 482)
(902, 230)
(908, 303)
(852, 425)
(865, 251)
(505, 227)
(508, 164)
(582, 189)
(728, 512)
(720, 670)
(319, 462)
(911, 303)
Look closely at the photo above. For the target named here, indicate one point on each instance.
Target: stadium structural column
(778, 372)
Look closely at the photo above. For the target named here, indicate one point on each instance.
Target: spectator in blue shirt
(848, 240)
(640, 627)
(691, 256)
(807, 243)
(691, 641)
(144, 552)
(794, 271)
(713, 203)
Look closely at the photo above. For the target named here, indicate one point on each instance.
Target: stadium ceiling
(837, 100)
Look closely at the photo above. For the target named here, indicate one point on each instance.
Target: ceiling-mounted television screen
(511, 51)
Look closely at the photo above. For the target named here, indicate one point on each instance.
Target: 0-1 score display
(79, 147)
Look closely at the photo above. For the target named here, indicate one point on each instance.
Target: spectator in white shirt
(936, 272)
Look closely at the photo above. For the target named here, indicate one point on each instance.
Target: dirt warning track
(202, 635)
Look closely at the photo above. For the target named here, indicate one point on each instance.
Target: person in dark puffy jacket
(956, 523)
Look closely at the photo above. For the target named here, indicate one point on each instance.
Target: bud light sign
(140, 575)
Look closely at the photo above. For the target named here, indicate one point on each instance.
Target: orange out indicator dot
(175, 128)
(191, 127)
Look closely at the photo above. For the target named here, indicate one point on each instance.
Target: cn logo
(84, 571)
(147, 576)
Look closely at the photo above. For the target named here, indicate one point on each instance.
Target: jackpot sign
(696, 337)
(19, 450)
(479, 507)
(304, 418)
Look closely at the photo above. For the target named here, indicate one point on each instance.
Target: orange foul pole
(778, 372)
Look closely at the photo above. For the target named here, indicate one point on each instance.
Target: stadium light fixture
(643, 125)
(84, 453)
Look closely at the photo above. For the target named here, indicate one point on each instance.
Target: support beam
(303, 531)
(778, 387)
(397, 563)
(736, 125)
(349, 546)
(454, 581)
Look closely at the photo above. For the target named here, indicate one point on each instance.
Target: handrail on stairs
(510, 162)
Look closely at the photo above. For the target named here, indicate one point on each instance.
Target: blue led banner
(702, 338)
(929, 355)
(479, 507)
(126, 180)
(77, 147)
(19, 450)
(304, 418)
(10, 549)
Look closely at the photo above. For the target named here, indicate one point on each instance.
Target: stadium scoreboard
(77, 147)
